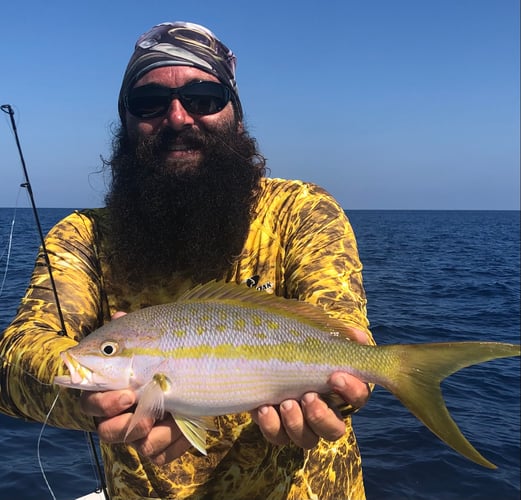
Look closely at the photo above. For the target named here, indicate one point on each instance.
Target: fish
(223, 349)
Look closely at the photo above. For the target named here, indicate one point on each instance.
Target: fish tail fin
(416, 384)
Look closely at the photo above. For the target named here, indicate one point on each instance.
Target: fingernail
(309, 397)
(338, 383)
(287, 405)
(263, 410)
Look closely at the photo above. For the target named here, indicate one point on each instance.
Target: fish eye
(109, 348)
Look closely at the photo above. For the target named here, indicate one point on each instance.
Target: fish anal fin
(194, 429)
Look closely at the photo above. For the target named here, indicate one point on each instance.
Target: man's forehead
(175, 76)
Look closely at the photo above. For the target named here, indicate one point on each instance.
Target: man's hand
(160, 441)
(305, 422)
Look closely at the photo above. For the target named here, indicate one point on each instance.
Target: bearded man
(190, 202)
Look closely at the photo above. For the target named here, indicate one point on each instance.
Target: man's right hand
(160, 441)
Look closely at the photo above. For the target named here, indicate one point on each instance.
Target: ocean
(429, 276)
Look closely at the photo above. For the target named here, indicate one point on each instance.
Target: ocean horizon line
(344, 208)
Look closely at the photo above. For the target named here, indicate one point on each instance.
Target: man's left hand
(305, 422)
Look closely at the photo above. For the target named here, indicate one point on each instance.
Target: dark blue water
(429, 276)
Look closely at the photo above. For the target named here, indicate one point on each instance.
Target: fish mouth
(79, 374)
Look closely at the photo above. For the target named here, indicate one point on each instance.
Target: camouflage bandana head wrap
(180, 44)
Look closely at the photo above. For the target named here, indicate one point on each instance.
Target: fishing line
(8, 250)
(38, 446)
(6, 108)
(9, 244)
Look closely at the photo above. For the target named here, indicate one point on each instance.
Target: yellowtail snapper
(225, 349)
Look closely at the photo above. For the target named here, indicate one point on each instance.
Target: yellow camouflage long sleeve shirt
(300, 242)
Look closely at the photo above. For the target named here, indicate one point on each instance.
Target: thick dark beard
(188, 221)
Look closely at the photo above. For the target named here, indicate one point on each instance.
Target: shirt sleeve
(322, 265)
(30, 346)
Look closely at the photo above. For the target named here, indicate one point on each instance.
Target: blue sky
(403, 104)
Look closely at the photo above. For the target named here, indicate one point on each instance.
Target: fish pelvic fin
(151, 403)
(417, 384)
(194, 430)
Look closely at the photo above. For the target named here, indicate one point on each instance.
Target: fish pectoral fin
(151, 403)
(194, 429)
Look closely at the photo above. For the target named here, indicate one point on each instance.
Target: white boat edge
(93, 496)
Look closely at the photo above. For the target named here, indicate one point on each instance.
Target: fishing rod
(7, 108)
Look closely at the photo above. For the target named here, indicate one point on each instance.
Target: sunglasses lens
(148, 101)
(201, 98)
(204, 98)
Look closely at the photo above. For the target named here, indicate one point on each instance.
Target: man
(189, 203)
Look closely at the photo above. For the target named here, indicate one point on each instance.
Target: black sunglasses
(200, 98)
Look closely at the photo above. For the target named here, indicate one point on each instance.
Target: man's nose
(177, 117)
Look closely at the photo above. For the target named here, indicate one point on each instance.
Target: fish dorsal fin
(220, 291)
